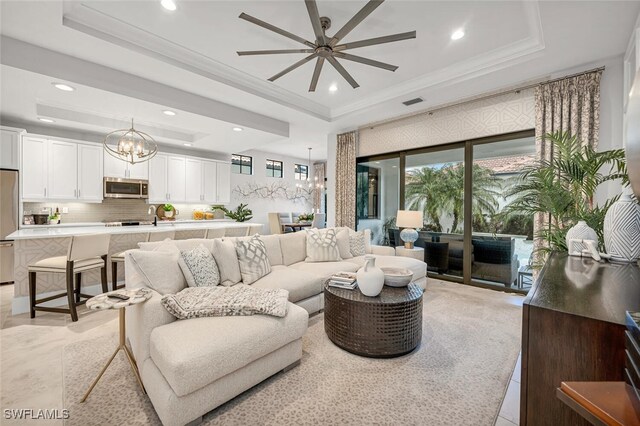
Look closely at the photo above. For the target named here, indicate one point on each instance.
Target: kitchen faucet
(155, 214)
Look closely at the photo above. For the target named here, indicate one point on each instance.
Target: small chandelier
(130, 145)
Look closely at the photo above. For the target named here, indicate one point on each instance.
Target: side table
(103, 301)
(416, 252)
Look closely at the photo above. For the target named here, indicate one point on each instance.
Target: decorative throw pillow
(224, 301)
(253, 259)
(357, 244)
(199, 267)
(160, 270)
(224, 252)
(342, 236)
(322, 246)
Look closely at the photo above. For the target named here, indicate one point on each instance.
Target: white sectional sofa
(189, 367)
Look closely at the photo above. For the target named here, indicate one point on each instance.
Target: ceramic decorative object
(580, 231)
(370, 277)
(397, 277)
(622, 229)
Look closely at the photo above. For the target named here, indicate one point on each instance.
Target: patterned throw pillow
(199, 267)
(252, 256)
(322, 246)
(357, 244)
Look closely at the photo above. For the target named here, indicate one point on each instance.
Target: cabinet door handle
(45, 192)
(75, 193)
(78, 193)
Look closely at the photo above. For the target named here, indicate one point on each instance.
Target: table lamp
(409, 220)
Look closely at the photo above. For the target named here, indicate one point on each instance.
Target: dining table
(296, 226)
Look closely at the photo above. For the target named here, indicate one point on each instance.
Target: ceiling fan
(326, 47)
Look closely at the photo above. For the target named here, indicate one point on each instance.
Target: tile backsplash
(110, 210)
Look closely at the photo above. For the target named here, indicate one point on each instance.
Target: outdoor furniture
(385, 326)
(525, 276)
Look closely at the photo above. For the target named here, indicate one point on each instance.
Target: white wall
(260, 206)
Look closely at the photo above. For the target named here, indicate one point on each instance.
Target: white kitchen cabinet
(34, 168)
(90, 172)
(115, 167)
(176, 178)
(9, 149)
(193, 179)
(63, 170)
(223, 182)
(158, 179)
(209, 182)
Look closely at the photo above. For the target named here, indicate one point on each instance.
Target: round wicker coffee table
(384, 326)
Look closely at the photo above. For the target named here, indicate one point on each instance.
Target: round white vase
(580, 231)
(622, 229)
(370, 277)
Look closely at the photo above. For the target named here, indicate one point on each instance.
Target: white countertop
(56, 231)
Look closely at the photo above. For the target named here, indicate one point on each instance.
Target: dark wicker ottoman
(384, 326)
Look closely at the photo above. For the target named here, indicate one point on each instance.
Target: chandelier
(310, 186)
(130, 145)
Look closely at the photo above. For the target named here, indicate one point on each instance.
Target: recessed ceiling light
(237, 129)
(46, 120)
(457, 34)
(168, 112)
(64, 87)
(333, 88)
(187, 144)
(168, 4)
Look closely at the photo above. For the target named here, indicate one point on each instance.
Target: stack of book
(344, 280)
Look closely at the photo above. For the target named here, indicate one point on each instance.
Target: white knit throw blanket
(197, 302)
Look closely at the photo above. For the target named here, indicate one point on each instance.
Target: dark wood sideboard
(573, 330)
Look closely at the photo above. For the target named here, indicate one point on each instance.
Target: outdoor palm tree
(424, 192)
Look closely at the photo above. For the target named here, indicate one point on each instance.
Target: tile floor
(31, 353)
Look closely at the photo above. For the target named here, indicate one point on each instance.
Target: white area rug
(457, 376)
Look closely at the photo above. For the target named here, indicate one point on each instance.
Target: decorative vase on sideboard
(580, 231)
(622, 229)
(370, 277)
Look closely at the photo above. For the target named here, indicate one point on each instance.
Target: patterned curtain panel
(346, 179)
(569, 105)
(319, 173)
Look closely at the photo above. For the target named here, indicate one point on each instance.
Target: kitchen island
(35, 243)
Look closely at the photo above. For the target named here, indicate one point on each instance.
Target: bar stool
(85, 252)
(237, 231)
(119, 257)
(215, 233)
(254, 228)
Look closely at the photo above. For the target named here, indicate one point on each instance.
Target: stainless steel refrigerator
(8, 222)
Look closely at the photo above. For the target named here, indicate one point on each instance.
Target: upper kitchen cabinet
(194, 180)
(63, 170)
(176, 179)
(33, 174)
(10, 148)
(114, 167)
(158, 179)
(90, 172)
(210, 181)
(223, 183)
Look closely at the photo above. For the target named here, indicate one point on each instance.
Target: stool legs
(114, 276)
(103, 275)
(70, 292)
(32, 294)
(78, 286)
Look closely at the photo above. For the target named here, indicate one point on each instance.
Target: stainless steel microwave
(126, 188)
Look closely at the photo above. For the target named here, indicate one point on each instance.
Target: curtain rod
(481, 98)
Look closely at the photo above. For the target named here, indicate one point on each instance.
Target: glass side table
(103, 301)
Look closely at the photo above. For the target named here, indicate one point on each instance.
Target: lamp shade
(409, 219)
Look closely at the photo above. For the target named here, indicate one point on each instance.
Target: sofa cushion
(253, 260)
(418, 268)
(299, 284)
(499, 251)
(199, 267)
(224, 252)
(294, 247)
(160, 270)
(325, 269)
(322, 245)
(342, 236)
(357, 244)
(274, 251)
(189, 244)
(194, 353)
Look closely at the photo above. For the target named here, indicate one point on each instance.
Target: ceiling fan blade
(275, 29)
(342, 71)
(353, 22)
(312, 8)
(273, 52)
(293, 67)
(374, 41)
(316, 74)
(365, 61)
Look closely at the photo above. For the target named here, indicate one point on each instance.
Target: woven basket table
(384, 326)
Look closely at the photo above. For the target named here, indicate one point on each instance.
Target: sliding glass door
(469, 234)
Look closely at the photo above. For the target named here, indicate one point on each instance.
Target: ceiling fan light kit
(326, 47)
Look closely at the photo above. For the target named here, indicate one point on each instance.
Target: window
(274, 168)
(301, 172)
(241, 164)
